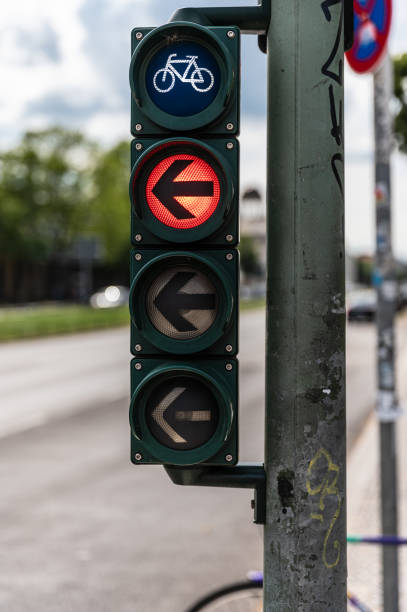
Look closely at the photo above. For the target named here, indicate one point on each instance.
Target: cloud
(358, 114)
(161, 15)
(58, 108)
(37, 45)
(107, 27)
(398, 42)
(24, 47)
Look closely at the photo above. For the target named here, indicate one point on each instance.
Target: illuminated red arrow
(167, 189)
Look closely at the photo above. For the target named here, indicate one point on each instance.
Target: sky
(67, 63)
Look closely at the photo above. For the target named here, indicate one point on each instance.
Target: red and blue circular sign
(372, 25)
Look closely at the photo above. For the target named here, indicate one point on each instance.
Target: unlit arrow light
(180, 415)
(167, 189)
(170, 301)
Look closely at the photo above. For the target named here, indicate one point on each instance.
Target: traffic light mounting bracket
(252, 19)
(241, 476)
(249, 19)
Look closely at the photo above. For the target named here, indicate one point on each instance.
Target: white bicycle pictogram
(201, 79)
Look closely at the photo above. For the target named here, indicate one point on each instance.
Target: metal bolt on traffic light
(184, 190)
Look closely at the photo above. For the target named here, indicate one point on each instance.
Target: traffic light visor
(182, 190)
(183, 77)
(183, 413)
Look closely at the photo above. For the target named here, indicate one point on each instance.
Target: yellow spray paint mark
(328, 486)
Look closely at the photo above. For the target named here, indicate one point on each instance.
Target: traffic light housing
(183, 302)
(162, 171)
(167, 84)
(184, 190)
(183, 412)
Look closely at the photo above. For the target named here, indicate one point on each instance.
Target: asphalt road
(81, 528)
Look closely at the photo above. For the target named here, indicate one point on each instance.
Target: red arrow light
(183, 191)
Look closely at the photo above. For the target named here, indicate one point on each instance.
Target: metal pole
(384, 278)
(305, 445)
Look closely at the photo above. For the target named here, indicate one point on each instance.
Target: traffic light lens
(182, 303)
(183, 78)
(182, 413)
(183, 191)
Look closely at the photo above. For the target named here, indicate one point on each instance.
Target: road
(82, 529)
(41, 380)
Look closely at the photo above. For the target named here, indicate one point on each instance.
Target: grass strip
(251, 304)
(36, 321)
(31, 322)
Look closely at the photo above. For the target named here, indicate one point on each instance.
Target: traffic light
(184, 190)
(185, 77)
(183, 412)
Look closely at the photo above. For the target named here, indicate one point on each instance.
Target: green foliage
(400, 91)
(18, 323)
(44, 185)
(249, 259)
(252, 304)
(364, 270)
(55, 187)
(110, 220)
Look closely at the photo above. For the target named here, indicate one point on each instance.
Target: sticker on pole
(182, 191)
(183, 78)
(372, 25)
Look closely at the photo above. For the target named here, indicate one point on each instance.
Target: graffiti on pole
(336, 76)
(327, 486)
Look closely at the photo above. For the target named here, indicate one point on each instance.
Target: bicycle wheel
(167, 81)
(202, 82)
(246, 597)
(238, 597)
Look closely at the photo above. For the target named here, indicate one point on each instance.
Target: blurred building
(69, 276)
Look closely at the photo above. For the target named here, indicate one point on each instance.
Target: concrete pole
(305, 445)
(385, 281)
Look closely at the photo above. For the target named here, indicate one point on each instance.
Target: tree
(400, 91)
(249, 258)
(44, 193)
(110, 218)
(45, 190)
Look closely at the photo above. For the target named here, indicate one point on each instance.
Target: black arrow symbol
(170, 301)
(167, 189)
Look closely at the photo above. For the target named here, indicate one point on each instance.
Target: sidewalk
(364, 560)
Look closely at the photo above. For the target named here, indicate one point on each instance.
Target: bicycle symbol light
(201, 79)
(184, 77)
